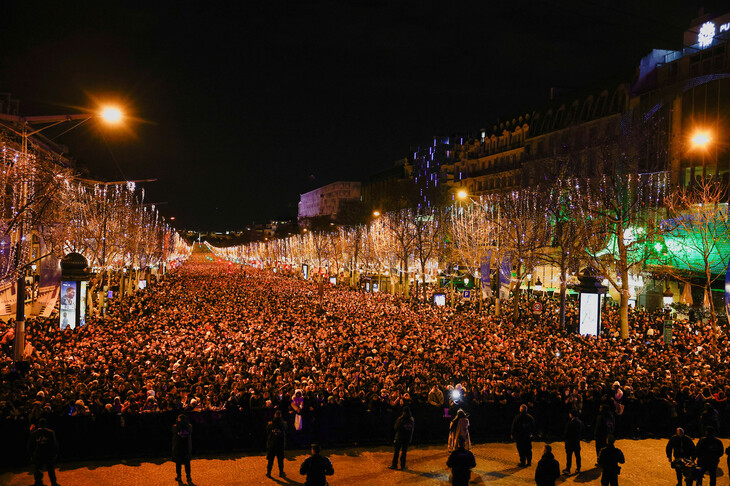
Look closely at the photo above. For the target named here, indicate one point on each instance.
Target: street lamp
(701, 140)
(23, 127)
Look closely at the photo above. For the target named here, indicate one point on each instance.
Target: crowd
(212, 336)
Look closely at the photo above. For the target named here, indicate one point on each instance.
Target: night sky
(238, 107)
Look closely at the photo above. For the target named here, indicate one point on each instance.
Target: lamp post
(23, 127)
(700, 141)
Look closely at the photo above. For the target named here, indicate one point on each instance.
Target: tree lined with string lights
(624, 197)
(696, 242)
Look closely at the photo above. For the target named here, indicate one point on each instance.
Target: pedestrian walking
(548, 468)
(523, 428)
(403, 436)
(680, 448)
(459, 428)
(609, 459)
(275, 443)
(572, 435)
(709, 451)
(43, 447)
(182, 446)
(316, 468)
(461, 462)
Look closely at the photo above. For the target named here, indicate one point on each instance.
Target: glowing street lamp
(22, 126)
(701, 139)
(462, 194)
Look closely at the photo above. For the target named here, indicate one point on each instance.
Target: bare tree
(696, 240)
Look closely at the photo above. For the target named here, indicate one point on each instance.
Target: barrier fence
(149, 435)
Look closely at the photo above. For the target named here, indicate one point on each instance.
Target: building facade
(326, 201)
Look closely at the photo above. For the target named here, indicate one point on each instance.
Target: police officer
(709, 451)
(681, 447)
(523, 427)
(461, 462)
(403, 436)
(572, 435)
(316, 468)
(275, 443)
(609, 459)
(43, 448)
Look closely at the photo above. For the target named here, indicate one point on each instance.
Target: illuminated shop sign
(708, 31)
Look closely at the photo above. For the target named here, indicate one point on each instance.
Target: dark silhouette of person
(182, 446)
(403, 435)
(275, 443)
(681, 447)
(316, 468)
(43, 447)
(709, 451)
(604, 427)
(548, 468)
(523, 427)
(461, 462)
(609, 459)
(572, 436)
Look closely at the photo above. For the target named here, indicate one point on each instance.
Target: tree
(428, 227)
(696, 241)
(625, 201)
(524, 233)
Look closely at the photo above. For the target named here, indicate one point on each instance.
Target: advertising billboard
(439, 299)
(82, 304)
(68, 305)
(590, 313)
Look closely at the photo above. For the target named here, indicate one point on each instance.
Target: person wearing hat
(182, 445)
(403, 435)
(459, 428)
(43, 447)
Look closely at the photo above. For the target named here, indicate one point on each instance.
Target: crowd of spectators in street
(213, 336)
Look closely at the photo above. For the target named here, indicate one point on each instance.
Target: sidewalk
(646, 464)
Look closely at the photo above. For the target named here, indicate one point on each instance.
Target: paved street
(496, 464)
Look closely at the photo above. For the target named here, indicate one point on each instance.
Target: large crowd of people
(214, 336)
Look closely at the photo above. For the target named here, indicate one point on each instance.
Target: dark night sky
(241, 106)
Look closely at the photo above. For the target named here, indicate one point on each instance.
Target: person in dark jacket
(403, 436)
(548, 468)
(680, 447)
(523, 428)
(572, 436)
(461, 462)
(43, 448)
(709, 418)
(604, 427)
(316, 468)
(709, 451)
(182, 446)
(275, 443)
(609, 459)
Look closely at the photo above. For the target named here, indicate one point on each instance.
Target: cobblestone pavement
(646, 465)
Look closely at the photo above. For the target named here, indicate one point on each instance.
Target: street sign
(537, 308)
(466, 295)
